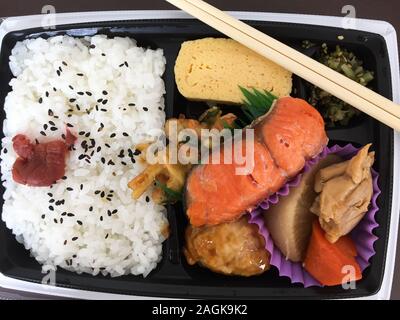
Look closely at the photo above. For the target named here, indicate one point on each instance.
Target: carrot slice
(325, 261)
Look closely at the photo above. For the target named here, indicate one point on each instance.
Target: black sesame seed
(137, 152)
(50, 112)
(126, 64)
(89, 93)
(69, 189)
(42, 133)
(69, 116)
(124, 109)
(106, 238)
(47, 94)
(81, 157)
(107, 145)
(159, 108)
(55, 220)
(61, 220)
(63, 136)
(110, 163)
(90, 208)
(56, 117)
(114, 211)
(123, 163)
(64, 177)
(58, 72)
(104, 110)
(74, 256)
(69, 125)
(99, 100)
(40, 100)
(81, 186)
(112, 135)
(147, 199)
(72, 100)
(74, 238)
(145, 109)
(43, 216)
(78, 107)
(70, 214)
(87, 134)
(103, 54)
(109, 213)
(64, 63)
(125, 134)
(54, 89)
(81, 133)
(87, 111)
(59, 68)
(53, 129)
(97, 192)
(121, 154)
(109, 199)
(98, 149)
(80, 93)
(92, 46)
(104, 102)
(133, 160)
(105, 92)
(102, 194)
(64, 214)
(79, 222)
(131, 104)
(101, 218)
(121, 65)
(65, 242)
(103, 160)
(79, 74)
(45, 126)
(51, 200)
(52, 123)
(50, 194)
(88, 161)
(96, 107)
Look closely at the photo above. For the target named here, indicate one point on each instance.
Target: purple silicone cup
(362, 234)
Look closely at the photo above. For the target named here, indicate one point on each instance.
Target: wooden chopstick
(309, 69)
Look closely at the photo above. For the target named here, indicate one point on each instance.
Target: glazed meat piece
(233, 248)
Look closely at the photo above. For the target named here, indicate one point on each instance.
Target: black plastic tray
(173, 277)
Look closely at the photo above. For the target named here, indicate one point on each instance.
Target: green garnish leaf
(256, 103)
(171, 196)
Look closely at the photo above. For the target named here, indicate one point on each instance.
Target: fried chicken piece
(233, 248)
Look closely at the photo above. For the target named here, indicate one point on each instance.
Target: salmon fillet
(290, 134)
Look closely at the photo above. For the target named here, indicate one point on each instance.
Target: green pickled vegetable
(335, 111)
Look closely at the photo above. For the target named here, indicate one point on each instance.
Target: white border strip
(375, 26)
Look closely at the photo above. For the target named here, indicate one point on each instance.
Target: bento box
(373, 41)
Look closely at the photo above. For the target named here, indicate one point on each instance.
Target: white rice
(129, 241)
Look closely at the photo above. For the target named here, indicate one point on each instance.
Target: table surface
(371, 9)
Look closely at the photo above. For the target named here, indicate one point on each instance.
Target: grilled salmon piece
(216, 193)
(293, 132)
(290, 134)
